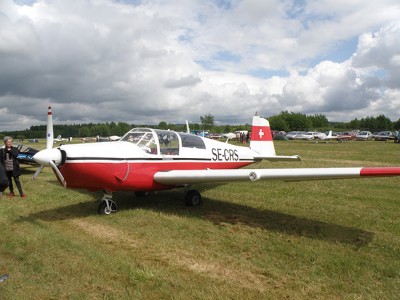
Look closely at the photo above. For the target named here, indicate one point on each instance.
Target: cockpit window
(169, 142)
(143, 138)
(192, 141)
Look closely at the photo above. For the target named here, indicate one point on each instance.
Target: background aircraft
(327, 137)
(151, 160)
(107, 139)
(26, 154)
(60, 139)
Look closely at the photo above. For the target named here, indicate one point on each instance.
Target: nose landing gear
(107, 206)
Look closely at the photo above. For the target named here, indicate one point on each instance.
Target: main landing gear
(193, 198)
(107, 206)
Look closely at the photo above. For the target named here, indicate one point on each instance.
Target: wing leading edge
(183, 177)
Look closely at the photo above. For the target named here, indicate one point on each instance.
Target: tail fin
(262, 143)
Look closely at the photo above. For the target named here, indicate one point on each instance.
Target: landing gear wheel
(105, 209)
(193, 198)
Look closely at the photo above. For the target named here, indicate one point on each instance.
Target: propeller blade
(37, 173)
(49, 156)
(59, 175)
(50, 134)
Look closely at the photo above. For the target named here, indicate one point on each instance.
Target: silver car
(364, 136)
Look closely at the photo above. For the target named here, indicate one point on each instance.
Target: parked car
(347, 136)
(383, 136)
(364, 136)
(292, 134)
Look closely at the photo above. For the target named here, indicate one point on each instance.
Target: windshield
(143, 138)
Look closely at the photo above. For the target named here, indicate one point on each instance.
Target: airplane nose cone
(45, 156)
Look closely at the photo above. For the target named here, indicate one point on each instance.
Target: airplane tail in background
(262, 143)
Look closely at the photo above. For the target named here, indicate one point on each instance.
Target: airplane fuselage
(131, 164)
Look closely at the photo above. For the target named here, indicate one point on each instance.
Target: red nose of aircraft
(45, 156)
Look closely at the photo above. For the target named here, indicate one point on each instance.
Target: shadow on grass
(217, 212)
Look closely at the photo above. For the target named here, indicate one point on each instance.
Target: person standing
(10, 162)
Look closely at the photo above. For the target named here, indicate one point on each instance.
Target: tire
(103, 210)
(193, 198)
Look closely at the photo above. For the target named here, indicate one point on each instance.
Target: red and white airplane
(147, 159)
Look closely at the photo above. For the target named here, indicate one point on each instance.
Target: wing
(183, 177)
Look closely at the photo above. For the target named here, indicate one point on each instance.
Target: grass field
(334, 239)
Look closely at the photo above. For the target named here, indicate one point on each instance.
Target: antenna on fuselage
(187, 126)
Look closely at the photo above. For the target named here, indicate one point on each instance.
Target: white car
(292, 135)
(364, 136)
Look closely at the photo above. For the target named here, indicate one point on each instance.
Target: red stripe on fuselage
(384, 171)
(135, 176)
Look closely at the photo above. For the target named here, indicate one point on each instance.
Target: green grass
(335, 239)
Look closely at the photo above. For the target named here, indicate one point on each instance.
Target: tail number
(224, 154)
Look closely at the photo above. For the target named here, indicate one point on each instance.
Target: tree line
(284, 121)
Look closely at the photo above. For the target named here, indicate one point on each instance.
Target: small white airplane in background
(60, 139)
(329, 137)
(107, 139)
(146, 159)
(229, 135)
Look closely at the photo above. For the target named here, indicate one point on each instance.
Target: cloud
(152, 61)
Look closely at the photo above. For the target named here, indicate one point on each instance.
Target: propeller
(49, 156)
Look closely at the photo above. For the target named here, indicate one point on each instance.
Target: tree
(383, 123)
(396, 125)
(163, 125)
(278, 123)
(296, 121)
(84, 131)
(207, 121)
(319, 121)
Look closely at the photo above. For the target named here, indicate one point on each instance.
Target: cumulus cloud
(152, 61)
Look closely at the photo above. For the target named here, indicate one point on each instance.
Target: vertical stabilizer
(261, 137)
(261, 141)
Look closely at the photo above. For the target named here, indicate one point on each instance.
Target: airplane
(326, 137)
(107, 139)
(229, 136)
(60, 139)
(146, 159)
(25, 155)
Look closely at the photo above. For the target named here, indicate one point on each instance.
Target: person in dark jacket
(4, 183)
(10, 162)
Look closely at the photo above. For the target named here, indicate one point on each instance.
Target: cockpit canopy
(164, 142)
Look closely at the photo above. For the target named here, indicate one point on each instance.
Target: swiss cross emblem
(261, 133)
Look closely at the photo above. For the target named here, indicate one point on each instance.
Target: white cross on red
(261, 134)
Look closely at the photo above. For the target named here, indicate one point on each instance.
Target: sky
(147, 61)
